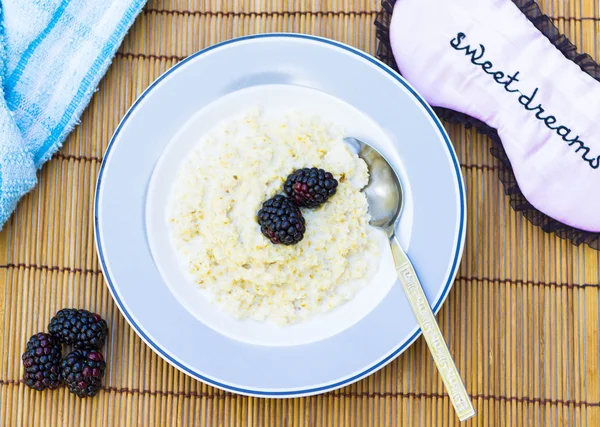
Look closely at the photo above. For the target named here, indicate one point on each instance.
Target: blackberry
(82, 372)
(281, 221)
(42, 360)
(79, 327)
(310, 187)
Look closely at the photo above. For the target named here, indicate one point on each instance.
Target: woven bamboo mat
(522, 319)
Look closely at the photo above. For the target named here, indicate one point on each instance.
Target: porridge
(213, 207)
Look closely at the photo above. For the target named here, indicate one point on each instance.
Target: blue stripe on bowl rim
(369, 370)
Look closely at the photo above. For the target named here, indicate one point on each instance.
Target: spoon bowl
(384, 192)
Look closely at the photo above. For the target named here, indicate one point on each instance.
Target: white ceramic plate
(274, 71)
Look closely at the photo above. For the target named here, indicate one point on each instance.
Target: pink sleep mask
(503, 67)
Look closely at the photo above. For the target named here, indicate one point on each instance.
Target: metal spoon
(384, 195)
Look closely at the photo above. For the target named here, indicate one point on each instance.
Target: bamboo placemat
(522, 319)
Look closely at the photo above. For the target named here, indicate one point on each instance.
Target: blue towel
(53, 54)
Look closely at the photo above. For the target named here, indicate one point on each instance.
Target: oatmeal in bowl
(268, 218)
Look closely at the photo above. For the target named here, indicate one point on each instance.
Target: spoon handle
(431, 331)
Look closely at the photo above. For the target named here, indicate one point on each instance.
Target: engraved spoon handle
(431, 331)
